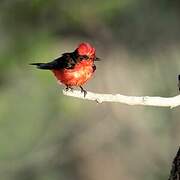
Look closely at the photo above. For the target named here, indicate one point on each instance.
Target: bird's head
(87, 52)
(85, 49)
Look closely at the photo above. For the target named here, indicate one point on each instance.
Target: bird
(73, 69)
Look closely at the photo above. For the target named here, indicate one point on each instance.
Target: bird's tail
(42, 65)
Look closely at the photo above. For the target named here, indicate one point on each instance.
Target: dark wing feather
(67, 61)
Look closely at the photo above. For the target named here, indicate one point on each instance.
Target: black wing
(67, 61)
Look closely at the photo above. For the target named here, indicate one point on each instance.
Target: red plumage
(75, 68)
(77, 76)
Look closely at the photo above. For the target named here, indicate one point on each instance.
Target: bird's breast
(76, 76)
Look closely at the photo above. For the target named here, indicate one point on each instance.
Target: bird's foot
(69, 88)
(83, 91)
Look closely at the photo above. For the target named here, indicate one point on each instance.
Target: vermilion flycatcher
(74, 68)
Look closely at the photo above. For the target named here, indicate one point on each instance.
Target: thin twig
(130, 100)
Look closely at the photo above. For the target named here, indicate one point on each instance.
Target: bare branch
(130, 100)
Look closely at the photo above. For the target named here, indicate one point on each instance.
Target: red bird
(74, 68)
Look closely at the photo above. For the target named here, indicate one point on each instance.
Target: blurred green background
(47, 136)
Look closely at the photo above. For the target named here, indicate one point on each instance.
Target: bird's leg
(83, 91)
(69, 88)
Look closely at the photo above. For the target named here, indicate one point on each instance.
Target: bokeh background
(47, 136)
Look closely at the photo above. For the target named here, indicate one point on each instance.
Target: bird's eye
(86, 57)
(81, 58)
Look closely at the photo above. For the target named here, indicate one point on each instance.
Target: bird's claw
(83, 91)
(69, 88)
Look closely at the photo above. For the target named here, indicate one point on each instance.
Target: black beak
(97, 59)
